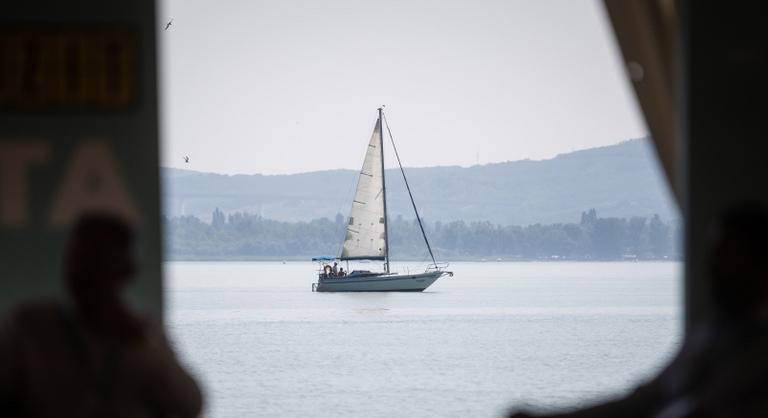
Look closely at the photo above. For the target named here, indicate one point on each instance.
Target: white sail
(366, 232)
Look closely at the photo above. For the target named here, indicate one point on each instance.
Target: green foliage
(243, 235)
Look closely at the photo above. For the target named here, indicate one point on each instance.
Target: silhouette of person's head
(99, 260)
(740, 263)
(107, 359)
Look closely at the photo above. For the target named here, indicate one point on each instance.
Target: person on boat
(341, 272)
(328, 270)
(335, 269)
(92, 356)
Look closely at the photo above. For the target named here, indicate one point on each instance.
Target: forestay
(366, 230)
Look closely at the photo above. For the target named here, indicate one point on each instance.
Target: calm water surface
(493, 336)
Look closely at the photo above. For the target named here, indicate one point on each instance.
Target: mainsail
(366, 230)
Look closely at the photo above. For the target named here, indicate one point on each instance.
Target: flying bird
(186, 159)
(168, 25)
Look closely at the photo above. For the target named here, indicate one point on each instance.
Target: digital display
(67, 68)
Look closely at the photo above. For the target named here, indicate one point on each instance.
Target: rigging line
(407, 187)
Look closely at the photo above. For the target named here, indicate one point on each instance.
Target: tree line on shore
(250, 236)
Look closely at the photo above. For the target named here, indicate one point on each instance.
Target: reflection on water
(495, 333)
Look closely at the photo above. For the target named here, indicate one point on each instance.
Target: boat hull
(378, 282)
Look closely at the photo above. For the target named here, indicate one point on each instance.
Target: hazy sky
(288, 86)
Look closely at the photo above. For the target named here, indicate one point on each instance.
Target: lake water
(493, 336)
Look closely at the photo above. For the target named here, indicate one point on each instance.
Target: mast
(384, 192)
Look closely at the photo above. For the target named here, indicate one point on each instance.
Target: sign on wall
(78, 132)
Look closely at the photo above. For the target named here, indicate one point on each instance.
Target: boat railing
(437, 267)
(429, 268)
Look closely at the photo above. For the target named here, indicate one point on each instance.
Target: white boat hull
(378, 282)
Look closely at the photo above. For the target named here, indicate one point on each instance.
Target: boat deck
(377, 282)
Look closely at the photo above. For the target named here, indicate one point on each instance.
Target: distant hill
(621, 180)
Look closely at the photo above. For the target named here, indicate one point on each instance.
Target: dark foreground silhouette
(722, 369)
(92, 356)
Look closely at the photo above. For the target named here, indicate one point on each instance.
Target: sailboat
(367, 236)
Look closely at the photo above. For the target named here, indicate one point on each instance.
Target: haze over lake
(494, 335)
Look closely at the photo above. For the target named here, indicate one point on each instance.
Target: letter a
(92, 182)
